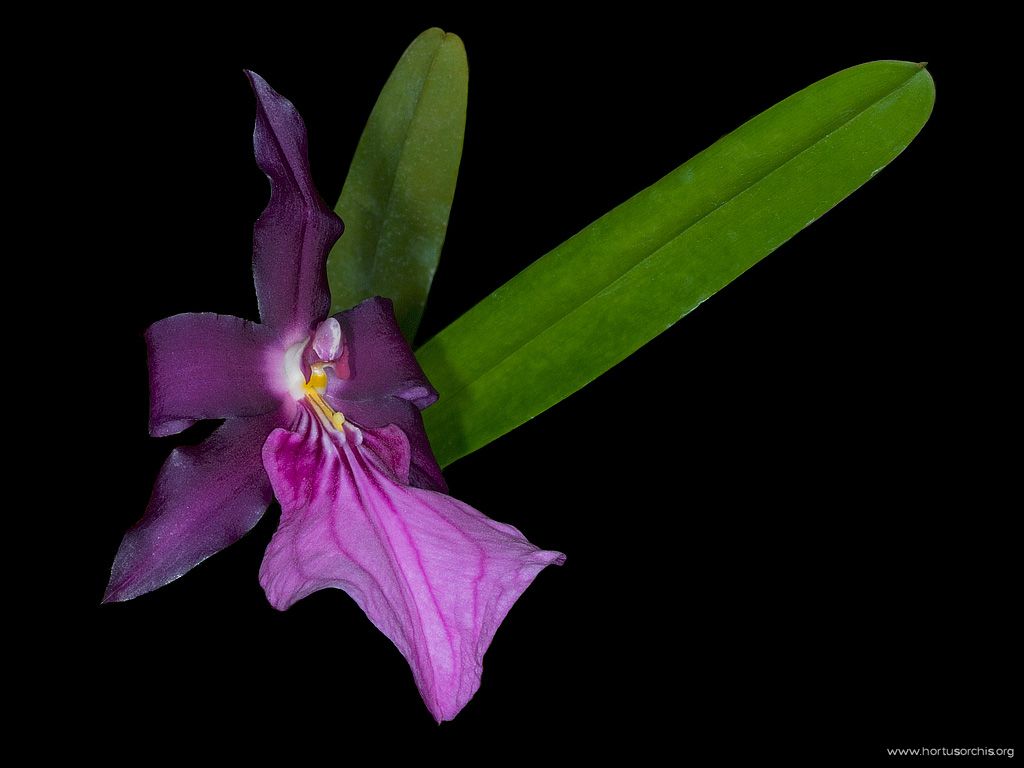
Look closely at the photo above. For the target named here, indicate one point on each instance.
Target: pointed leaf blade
(399, 189)
(630, 275)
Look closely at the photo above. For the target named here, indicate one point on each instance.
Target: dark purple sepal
(206, 497)
(296, 230)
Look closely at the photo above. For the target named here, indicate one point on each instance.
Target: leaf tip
(438, 39)
(434, 32)
(454, 44)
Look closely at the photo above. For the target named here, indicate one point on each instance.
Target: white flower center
(293, 375)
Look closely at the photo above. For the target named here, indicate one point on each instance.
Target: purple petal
(433, 574)
(207, 366)
(379, 358)
(296, 230)
(391, 446)
(424, 471)
(385, 384)
(206, 497)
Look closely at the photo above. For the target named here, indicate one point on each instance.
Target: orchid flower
(322, 412)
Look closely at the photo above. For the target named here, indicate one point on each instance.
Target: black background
(785, 518)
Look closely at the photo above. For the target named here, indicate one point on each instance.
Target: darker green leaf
(399, 189)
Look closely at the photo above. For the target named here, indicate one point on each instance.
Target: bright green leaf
(399, 189)
(611, 288)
